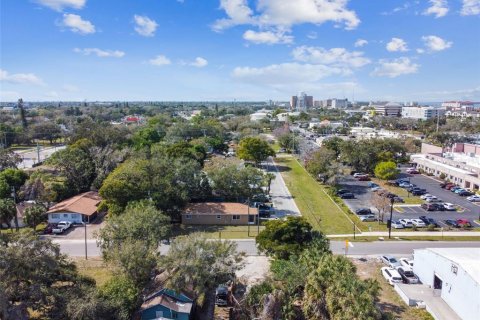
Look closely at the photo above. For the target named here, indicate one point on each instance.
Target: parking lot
(466, 209)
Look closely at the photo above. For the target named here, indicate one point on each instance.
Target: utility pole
(38, 153)
(438, 119)
(85, 224)
(248, 218)
(390, 221)
(14, 196)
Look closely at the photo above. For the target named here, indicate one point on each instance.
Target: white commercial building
(391, 109)
(454, 275)
(422, 113)
(339, 103)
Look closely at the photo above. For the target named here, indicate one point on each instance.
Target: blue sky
(398, 50)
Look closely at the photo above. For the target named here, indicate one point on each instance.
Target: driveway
(282, 200)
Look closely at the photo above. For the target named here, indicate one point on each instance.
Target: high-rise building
(339, 103)
(293, 102)
(301, 102)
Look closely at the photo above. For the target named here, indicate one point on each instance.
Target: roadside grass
(408, 198)
(220, 231)
(94, 268)
(313, 202)
(39, 230)
(360, 238)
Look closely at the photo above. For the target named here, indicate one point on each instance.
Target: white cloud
(360, 43)
(312, 35)
(59, 5)
(439, 8)
(280, 74)
(434, 43)
(338, 57)
(419, 50)
(284, 14)
(267, 37)
(145, 26)
(160, 60)
(199, 62)
(20, 78)
(397, 44)
(77, 24)
(100, 53)
(470, 7)
(394, 68)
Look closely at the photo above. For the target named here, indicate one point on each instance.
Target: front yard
(219, 232)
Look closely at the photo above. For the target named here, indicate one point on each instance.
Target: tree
(14, 177)
(36, 277)
(199, 263)
(146, 137)
(283, 238)
(8, 159)
(382, 204)
(123, 294)
(386, 170)
(254, 149)
(334, 291)
(7, 211)
(35, 215)
(286, 141)
(320, 162)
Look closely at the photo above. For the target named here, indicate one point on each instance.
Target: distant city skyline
(222, 50)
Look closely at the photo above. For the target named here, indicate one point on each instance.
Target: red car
(449, 186)
(464, 223)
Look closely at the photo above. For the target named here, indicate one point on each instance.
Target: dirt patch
(390, 304)
(254, 271)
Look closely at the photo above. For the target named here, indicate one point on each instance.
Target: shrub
(431, 227)
(442, 176)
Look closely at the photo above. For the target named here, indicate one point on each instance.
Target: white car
(397, 225)
(426, 195)
(390, 261)
(418, 223)
(474, 198)
(373, 189)
(407, 223)
(433, 199)
(62, 226)
(368, 218)
(449, 206)
(359, 174)
(391, 275)
(406, 263)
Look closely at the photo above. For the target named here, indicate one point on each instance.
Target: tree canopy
(386, 170)
(254, 149)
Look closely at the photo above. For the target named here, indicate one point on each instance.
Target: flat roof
(444, 165)
(467, 258)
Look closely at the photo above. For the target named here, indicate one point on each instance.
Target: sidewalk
(410, 234)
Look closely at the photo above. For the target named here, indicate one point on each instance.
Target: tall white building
(423, 112)
(391, 109)
(339, 103)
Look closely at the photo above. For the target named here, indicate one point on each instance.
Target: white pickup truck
(61, 227)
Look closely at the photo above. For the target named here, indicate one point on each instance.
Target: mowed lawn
(313, 202)
(219, 232)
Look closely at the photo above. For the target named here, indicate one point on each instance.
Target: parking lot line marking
(350, 244)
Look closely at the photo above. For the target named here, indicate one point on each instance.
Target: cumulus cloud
(100, 53)
(284, 14)
(20, 78)
(394, 68)
(160, 60)
(438, 8)
(280, 74)
(470, 8)
(434, 43)
(339, 57)
(312, 35)
(397, 44)
(145, 26)
(267, 37)
(76, 24)
(59, 5)
(360, 43)
(199, 62)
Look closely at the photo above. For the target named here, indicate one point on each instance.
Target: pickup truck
(61, 227)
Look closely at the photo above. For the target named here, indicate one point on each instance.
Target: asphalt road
(398, 248)
(30, 157)
(282, 200)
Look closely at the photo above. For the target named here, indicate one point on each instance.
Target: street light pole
(391, 214)
(85, 224)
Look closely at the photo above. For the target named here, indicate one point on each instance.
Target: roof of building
(467, 258)
(168, 301)
(211, 208)
(84, 203)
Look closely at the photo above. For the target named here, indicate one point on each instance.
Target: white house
(79, 209)
(454, 274)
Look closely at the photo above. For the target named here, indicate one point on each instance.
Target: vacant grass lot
(409, 199)
(94, 268)
(314, 204)
(219, 232)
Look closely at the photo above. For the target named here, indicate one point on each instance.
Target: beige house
(219, 213)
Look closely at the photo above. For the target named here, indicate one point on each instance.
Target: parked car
(451, 223)
(372, 185)
(347, 195)
(264, 210)
(449, 206)
(465, 193)
(390, 261)
(425, 196)
(49, 228)
(407, 223)
(374, 189)
(221, 295)
(61, 227)
(358, 174)
(397, 225)
(429, 221)
(474, 198)
(417, 192)
(407, 275)
(449, 186)
(364, 178)
(405, 184)
(418, 223)
(430, 206)
(453, 189)
(445, 184)
(398, 199)
(261, 198)
(391, 275)
(432, 199)
(412, 171)
(459, 190)
(368, 218)
(406, 263)
(464, 223)
(363, 211)
(342, 191)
